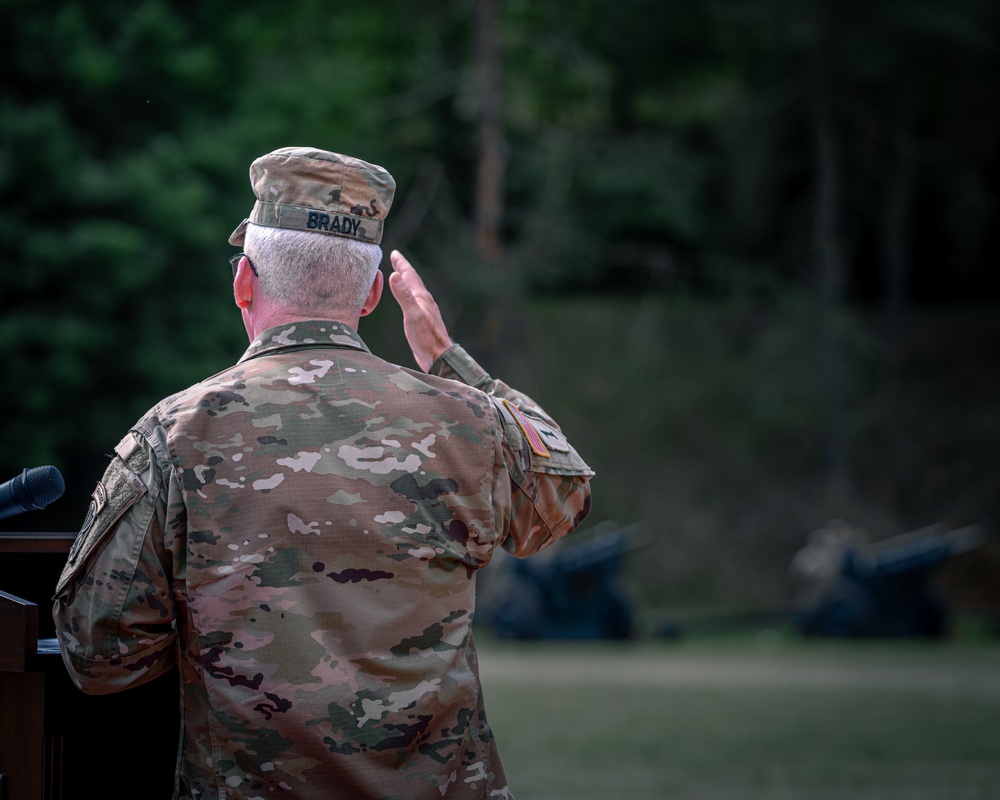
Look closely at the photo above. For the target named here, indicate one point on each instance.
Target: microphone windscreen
(40, 486)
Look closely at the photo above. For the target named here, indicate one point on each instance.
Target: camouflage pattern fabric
(300, 535)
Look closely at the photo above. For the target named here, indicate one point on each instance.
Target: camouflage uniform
(300, 536)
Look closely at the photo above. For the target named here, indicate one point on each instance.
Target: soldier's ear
(374, 294)
(243, 284)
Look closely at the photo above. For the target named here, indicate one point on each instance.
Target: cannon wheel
(521, 613)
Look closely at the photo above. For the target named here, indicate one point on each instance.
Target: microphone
(32, 490)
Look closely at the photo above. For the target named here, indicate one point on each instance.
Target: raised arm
(550, 482)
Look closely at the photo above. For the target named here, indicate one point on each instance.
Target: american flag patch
(537, 445)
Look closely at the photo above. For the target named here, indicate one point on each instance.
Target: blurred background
(741, 249)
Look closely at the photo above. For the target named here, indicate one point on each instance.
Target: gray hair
(312, 273)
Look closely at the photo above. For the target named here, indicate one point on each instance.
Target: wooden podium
(57, 743)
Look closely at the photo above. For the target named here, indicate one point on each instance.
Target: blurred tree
(110, 169)
(490, 166)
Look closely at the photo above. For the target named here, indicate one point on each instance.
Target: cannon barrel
(918, 549)
(852, 588)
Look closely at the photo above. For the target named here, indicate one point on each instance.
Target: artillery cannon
(846, 586)
(571, 591)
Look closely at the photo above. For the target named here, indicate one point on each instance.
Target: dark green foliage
(653, 150)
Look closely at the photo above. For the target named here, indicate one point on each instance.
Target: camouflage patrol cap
(305, 189)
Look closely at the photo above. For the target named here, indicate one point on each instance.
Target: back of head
(312, 275)
(314, 231)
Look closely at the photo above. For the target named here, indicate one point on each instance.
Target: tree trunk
(829, 266)
(896, 235)
(495, 323)
(489, 173)
(895, 279)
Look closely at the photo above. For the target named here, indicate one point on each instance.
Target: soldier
(300, 533)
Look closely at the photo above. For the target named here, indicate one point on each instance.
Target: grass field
(756, 716)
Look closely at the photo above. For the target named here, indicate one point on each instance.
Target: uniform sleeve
(550, 482)
(113, 608)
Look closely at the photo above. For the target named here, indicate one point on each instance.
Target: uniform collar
(311, 333)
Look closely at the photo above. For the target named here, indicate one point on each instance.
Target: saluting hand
(425, 330)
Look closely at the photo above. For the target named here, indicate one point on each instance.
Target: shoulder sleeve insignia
(534, 440)
(119, 490)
